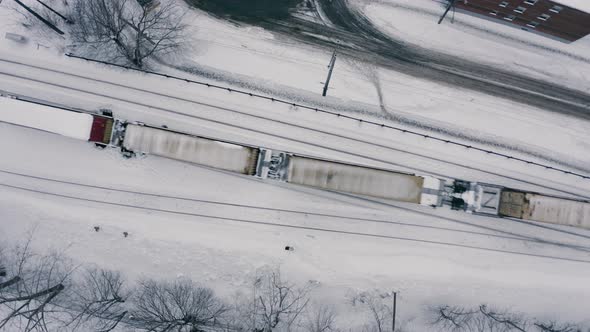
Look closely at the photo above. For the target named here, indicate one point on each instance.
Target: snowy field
(470, 260)
(345, 243)
(231, 51)
(485, 41)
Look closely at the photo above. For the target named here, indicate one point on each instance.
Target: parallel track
(424, 171)
(506, 234)
(309, 228)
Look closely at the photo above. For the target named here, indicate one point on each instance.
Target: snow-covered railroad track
(583, 258)
(499, 233)
(551, 228)
(436, 166)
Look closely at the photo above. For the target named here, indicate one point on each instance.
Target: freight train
(138, 138)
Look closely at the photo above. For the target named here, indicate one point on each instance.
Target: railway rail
(532, 182)
(298, 227)
(339, 115)
(137, 138)
(500, 234)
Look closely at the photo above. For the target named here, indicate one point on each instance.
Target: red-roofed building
(554, 19)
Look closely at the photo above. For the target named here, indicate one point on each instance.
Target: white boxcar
(185, 147)
(536, 207)
(51, 119)
(355, 179)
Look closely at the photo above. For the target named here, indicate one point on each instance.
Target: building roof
(583, 5)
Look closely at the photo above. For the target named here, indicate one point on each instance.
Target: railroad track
(496, 177)
(401, 120)
(267, 223)
(503, 234)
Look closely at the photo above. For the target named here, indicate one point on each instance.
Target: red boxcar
(102, 128)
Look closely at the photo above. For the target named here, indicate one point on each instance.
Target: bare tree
(29, 292)
(98, 299)
(557, 327)
(158, 31)
(505, 320)
(452, 318)
(320, 318)
(485, 319)
(180, 306)
(100, 27)
(377, 305)
(482, 319)
(28, 20)
(277, 302)
(124, 30)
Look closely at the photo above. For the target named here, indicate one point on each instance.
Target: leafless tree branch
(278, 302)
(31, 291)
(515, 322)
(98, 298)
(122, 29)
(178, 305)
(321, 318)
(484, 319)
(556, 327)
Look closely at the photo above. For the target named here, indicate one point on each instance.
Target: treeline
(47, 292)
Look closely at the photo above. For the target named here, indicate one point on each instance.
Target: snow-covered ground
(237, 52)
(66, 123)
(213, 243)
(251, 55)
(487, 42)
(430, 256)
(240, 118)
(578, 4)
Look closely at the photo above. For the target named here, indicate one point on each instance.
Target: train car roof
(55, 120)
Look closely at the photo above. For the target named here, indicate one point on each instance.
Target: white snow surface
(62, 122)
(502, 46)
(583, 5)
(217, 249)
(429, 256)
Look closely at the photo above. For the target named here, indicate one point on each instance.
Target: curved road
(354, 35)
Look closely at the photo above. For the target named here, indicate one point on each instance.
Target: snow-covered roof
(54, 120)
(583, 5)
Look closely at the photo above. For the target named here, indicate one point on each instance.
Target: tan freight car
(189, 148)
(537, 207)
(282, 166)
(355, 179)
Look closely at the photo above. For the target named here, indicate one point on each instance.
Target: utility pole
(449, 6)
(40, 17)
(331, 66)
(394, 309)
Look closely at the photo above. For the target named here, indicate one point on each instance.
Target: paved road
(355, 36)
